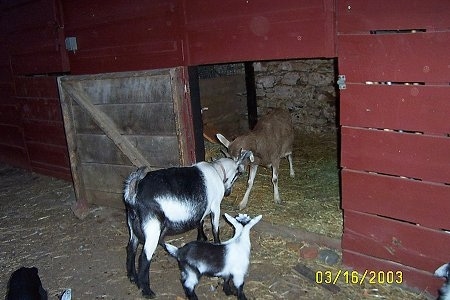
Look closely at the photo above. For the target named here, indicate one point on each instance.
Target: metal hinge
(71, 44)
(341, 82)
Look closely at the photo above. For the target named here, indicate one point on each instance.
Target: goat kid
(172, 201)
(229, 260)
(270, 140)
(444, 271)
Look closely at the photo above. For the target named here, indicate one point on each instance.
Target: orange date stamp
(354, 277)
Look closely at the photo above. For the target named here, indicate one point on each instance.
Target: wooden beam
(106, 124)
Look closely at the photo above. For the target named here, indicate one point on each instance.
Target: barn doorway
(307, 88)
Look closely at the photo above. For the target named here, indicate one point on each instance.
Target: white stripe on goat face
(176, 210)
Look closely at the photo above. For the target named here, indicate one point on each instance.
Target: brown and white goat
(270, 140)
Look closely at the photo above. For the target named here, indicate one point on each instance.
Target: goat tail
(131, 184)
(172, 250)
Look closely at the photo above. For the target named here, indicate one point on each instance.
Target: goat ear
(255, 220)
(223, 140)
(442, 271)
(231, 220)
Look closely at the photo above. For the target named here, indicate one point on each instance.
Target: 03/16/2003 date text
(354, 277)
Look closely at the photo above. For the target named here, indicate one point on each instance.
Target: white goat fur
(270, 140)
(444, 271)
(171, 201)
(229, 260)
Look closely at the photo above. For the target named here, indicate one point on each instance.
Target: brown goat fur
(270, 140)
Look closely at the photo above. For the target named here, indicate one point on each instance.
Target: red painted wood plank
(53, 171)
(238, 31)
(10, 115)
(363, 16)
(41, 109)
(145, 56)
(35, 39)
(39, 62)
(48, 155)
(396, 241)
(412, 278)
(89, 14)
(398, 198)
(15, 156)
(150, 35)
(11, 135)
(400, 107)
(415, 57)
(45, 132)
(36, 87)
(23, 16)
(403, 154)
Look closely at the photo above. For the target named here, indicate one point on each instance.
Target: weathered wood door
(119, 121)
(395, 117)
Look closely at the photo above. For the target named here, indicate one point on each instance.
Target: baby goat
(270, 140)
(229, 260)
(172, 201)
(444, 271)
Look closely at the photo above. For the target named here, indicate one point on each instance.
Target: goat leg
(251, 179)
(276, 194)
(131, 256)
(228, 289)
(215, 226)
(291, 168)
(201, 236)
(144, 276)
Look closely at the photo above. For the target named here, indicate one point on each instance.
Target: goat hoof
(133, 279)
(148, 294)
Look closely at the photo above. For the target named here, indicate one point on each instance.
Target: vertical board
(35, 37)
(230, 31)
(43, 128)
(395, 135)
(119, 121)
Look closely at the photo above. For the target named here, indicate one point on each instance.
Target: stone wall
(306, 87)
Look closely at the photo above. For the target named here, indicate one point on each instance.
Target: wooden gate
(119, 121)
(395, 117)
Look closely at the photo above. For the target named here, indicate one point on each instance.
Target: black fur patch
(25, 284)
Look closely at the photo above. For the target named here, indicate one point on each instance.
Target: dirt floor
(37, 228)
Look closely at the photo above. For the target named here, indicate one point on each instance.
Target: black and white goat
(444, 271)
(229, 260)
(270, 140)
(172, 201)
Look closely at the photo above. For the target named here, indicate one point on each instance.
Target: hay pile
(311, 199)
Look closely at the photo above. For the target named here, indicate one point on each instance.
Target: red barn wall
(114, 36)
(230, 31)
(31, 55)
(395, 141)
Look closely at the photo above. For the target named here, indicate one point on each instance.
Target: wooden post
(252, 106)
